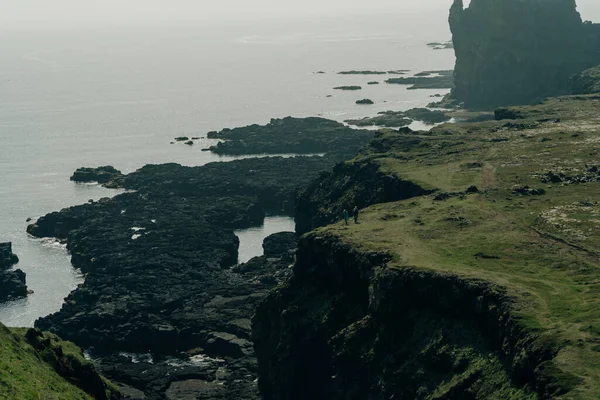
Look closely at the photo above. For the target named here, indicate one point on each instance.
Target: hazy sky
(77, 13)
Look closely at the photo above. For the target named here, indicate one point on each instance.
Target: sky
(27, 14)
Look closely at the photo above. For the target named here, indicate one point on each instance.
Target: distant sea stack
(519, 51)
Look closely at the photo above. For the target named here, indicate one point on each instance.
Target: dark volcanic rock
(365, 102)
(12, 283)
(519, 51)
(107, 176)
(444, 80)
(280, 245)
(292, 135)
(158, 271)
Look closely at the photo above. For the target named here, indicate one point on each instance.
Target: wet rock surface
(12, 283)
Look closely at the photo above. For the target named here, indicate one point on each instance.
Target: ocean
(72, 98)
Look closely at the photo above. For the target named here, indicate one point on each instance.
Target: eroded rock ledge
(348, 326)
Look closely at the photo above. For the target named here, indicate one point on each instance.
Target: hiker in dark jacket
(346, 217)
(355, 213)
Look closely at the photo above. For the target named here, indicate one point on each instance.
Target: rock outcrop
(586, 82)
(292, 135)
(12, 283)
(519, 51)
(360, 182)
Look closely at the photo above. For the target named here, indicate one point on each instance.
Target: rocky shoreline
(165, 308)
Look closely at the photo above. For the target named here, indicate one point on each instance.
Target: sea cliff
(519, 52)
(482, 284)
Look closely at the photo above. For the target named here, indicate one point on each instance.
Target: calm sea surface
(96, 97)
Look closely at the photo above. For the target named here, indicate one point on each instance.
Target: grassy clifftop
(35, 365)
(517, 205)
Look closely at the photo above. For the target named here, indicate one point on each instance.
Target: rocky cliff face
(348, 327)
(517, 52)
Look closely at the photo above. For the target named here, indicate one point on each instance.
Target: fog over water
(41, 14)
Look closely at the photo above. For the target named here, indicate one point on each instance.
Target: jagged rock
(7, 257)
(12, 283)
(402, 118)
(108, 176)
(518, 51)
(293, 135)
(158, 277)
(224, 344)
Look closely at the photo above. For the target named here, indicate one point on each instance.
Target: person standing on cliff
(346, 217)
(355, 213)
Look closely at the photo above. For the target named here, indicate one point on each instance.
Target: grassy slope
(545, 248)
(24, 375)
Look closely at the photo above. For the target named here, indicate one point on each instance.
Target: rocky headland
(12, 282)
(462, 279)
(292, 135)
(519, 52)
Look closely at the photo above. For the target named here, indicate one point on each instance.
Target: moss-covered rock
(36, 365)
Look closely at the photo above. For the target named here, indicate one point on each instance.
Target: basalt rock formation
(519, 51)
(292, 135)
(164, 309)
(12, 283)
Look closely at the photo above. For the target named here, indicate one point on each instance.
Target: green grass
(24, 374)
(544, 250)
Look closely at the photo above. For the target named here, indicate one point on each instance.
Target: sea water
(73, 98)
